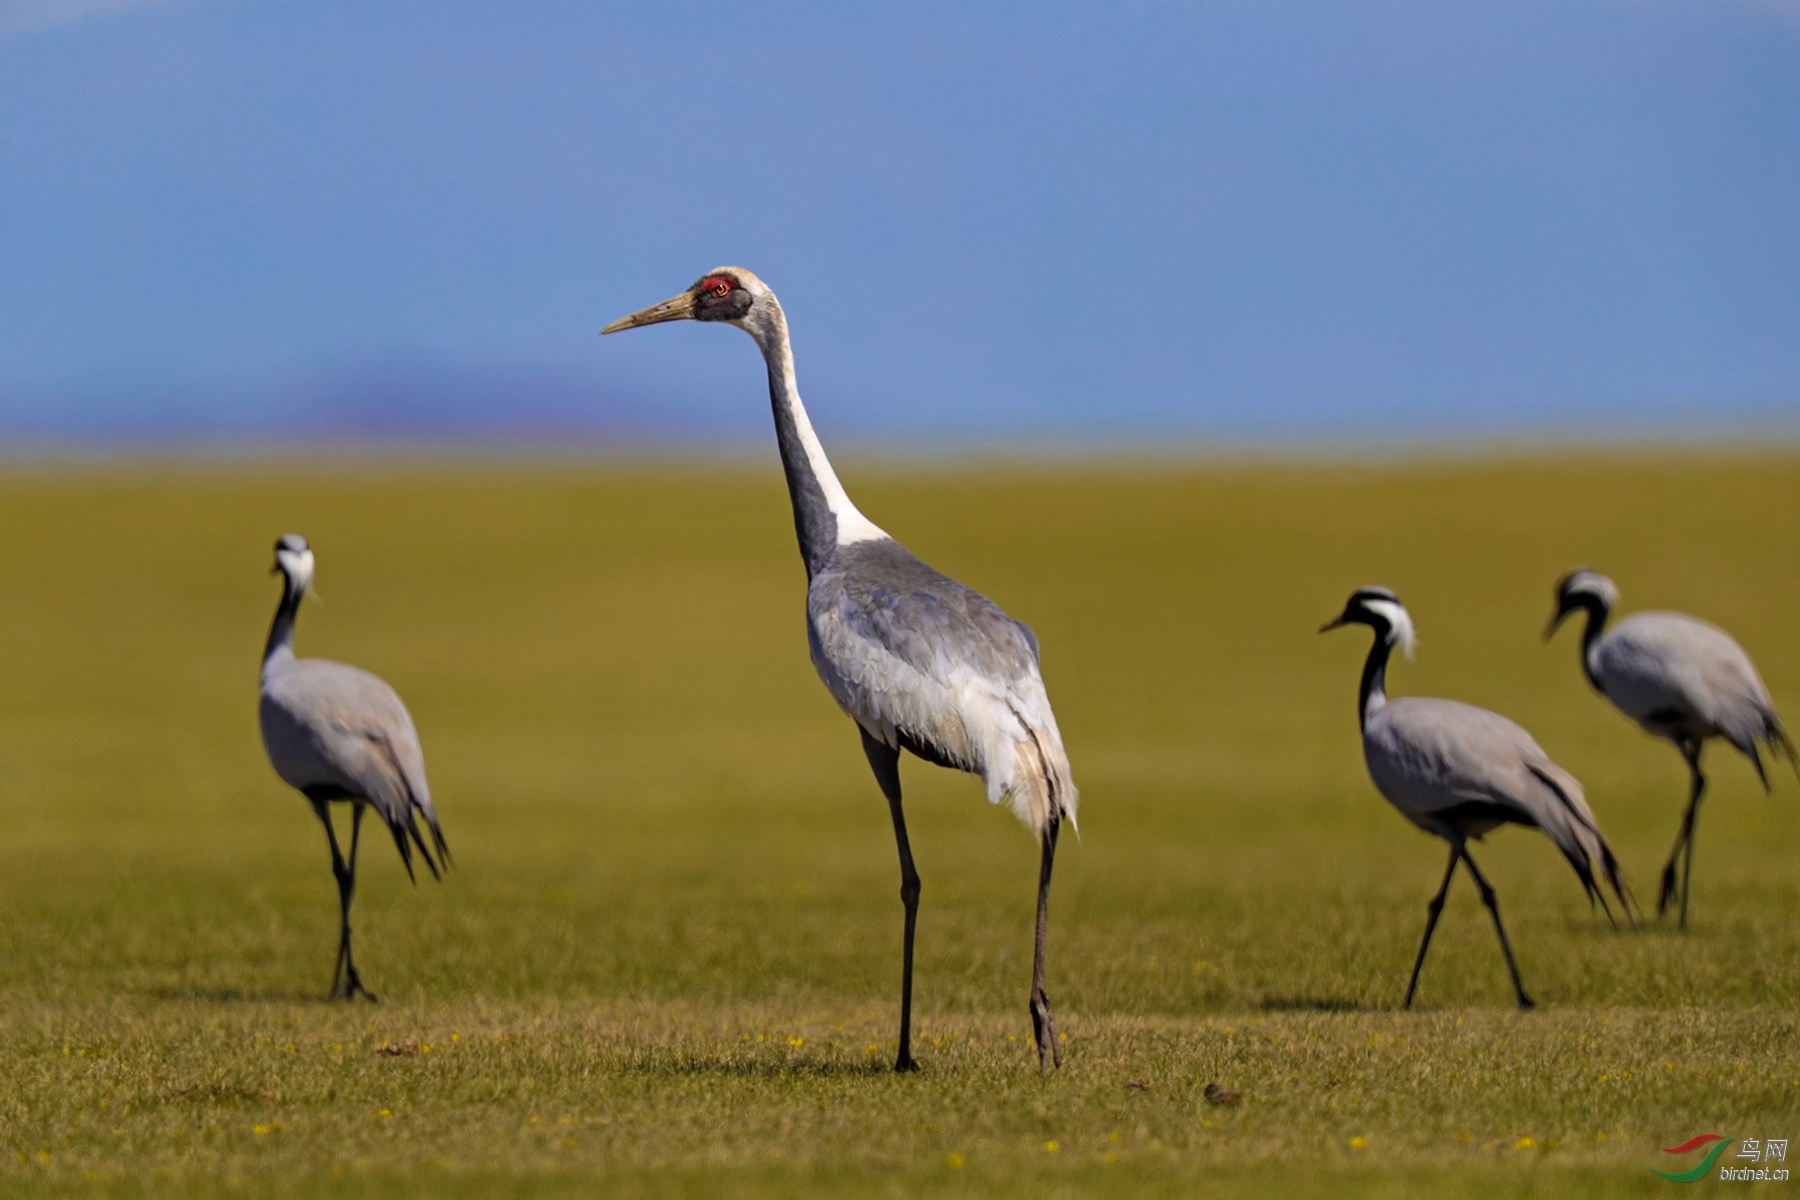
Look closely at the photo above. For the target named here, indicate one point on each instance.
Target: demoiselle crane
(1460, 772)
(919, 662)
(340, 734)
(1681, 679)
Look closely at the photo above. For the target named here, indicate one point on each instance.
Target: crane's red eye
(718, 285)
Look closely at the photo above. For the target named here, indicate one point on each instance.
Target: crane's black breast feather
(1474, 812)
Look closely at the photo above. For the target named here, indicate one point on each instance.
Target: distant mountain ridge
(378, 401)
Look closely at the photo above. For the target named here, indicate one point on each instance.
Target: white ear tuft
(1591, 583)
(298, 566)
(1400, 626)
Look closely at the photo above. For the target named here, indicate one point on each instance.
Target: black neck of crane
(1590, 637)
(281, 630)
(1371, 694)
(814, 523)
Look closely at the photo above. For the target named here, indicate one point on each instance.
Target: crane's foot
(351, 986)
(905, 1064)
(1043, 1025)
(1526, 1003)
(1667, 892)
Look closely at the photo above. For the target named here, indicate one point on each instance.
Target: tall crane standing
(1459, 772)
(920, 662)
(339, 734)
(1679, 678)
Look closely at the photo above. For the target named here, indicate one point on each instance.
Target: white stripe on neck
(852, 526)
(1400, 632)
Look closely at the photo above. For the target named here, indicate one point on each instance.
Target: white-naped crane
(1460, 772)
(1679, 678)
(920, 662)
(337, 733)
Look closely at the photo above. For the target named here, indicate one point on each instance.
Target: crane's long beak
(676, 308)
(1556, 620)
(1335, 623)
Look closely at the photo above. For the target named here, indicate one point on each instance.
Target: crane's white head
(1381, 611)
(294, 559)
(729, 294)
(1582, 588)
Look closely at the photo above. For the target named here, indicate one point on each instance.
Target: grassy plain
(666, 963)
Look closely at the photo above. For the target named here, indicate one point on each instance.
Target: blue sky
(258, 217)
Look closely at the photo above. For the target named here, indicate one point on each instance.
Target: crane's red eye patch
(719, 285)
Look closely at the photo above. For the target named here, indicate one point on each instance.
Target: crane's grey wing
(332, 730)
(1449, 767)
(1030, 640)
(1669, 670)
(921, 661)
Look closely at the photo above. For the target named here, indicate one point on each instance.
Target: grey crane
(919, 662)
(337, 733)
(1679, 678)
(1460, 772)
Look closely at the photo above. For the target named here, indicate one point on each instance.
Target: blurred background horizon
(1031, 226)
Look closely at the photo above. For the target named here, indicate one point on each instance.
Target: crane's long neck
(1371, 695)
(824, 518)
(1590, 643)
(281, 631)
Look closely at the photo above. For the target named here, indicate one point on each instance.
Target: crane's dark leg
(353, 984)
(1684, 840)
(1433, 911)
(885, 762)
(345, 983)
(1043, 1024)
(1487, 898)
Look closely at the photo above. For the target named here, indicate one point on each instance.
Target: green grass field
(667, 961)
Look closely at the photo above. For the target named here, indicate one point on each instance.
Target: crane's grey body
(1459, 772)
(927, 665)
(1679, 678)
(1682, 678)
(337, 733)
(920, 662)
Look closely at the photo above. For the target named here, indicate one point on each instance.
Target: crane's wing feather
(916, 657)
(1669, 668)
(334, 728)
(1434, 759)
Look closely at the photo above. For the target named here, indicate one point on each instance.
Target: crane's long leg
(353, 984)
(1487, 898)
(885, 762)
(322, 810)
(1433, 911)
(345, 983)
(1684, 840)
(1043, 1024)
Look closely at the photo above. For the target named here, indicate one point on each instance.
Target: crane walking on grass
(920, 662)
(1679, 678)
(340, 734)
(1460, 772)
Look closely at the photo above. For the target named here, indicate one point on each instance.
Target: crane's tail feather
(412, 827)
(1780, 745)
(404, 846)
(1040, 789)
(1609, 865)
(437, 839)
(1570, 825)
(405, 824)
(1762, 776)
(1759, 725)
(406, 835)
